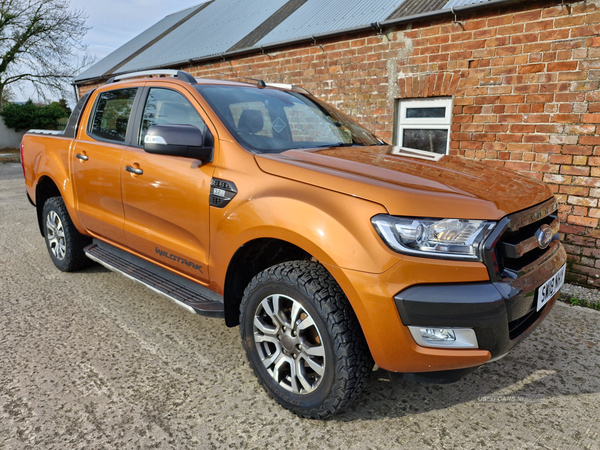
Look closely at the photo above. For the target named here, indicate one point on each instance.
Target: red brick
(587, 181)
(566, 45)
(561, 159)
(497, 42)
(577, 150)
(539, 25)
(536, 118)
(524, 38)
(574, 190)
(569, 21)
(497, 21)
(572, 76)
(590, 118)
(553, 35)
(581, 130)
(575, 170)
(584, 222)
(565, 118)
(522, 128)
(589, 140)
(562, 66)
(484, 34)
(526, 89)
(513, 147)
(532, 68)
(514, 165)
(546, 148)
(559, 179)
(507, 118)
(536, 138)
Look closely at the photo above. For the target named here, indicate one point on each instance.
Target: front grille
(516, 247)
(515, 238)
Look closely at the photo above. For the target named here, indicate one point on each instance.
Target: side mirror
(179, 140)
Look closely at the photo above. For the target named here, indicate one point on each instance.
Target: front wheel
(65, 244)
(303, 340)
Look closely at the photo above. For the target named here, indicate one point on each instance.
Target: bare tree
(40, 42)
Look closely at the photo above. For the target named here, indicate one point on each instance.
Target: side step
(185, 293)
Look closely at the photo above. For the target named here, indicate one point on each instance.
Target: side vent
(221, 192)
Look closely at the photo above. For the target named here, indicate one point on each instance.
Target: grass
(580, 302)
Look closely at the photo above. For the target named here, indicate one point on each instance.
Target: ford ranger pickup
(332, 251)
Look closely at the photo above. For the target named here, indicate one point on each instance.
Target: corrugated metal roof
(412, 7)
(223, 26)
(138, 42)
(212, 31)
(457, 3)
(322, 16)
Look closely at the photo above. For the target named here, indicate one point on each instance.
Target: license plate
(547, 290)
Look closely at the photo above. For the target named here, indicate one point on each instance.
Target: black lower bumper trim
(501, 313)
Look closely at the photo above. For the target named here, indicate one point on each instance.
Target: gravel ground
(91, 360)
(590, 295)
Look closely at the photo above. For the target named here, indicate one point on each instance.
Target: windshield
(272, 121)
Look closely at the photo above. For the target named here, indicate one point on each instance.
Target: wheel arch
(249, 260)
(46, 188)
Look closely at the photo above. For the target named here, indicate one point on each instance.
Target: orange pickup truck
(332, 250)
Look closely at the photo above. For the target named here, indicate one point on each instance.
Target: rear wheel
(65, 244)
(303, 340)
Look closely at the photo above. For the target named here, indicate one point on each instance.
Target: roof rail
(183, 76)
(290, 87)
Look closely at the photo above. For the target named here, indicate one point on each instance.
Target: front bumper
(440, 293)
(501, 313)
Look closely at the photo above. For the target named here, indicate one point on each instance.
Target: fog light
(444, 337)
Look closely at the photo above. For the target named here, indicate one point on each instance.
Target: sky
(114, 22)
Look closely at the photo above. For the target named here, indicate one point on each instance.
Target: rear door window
(112, 114)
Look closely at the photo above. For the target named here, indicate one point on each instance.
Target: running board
(185, 293)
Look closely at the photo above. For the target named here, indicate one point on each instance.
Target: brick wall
(524, 79)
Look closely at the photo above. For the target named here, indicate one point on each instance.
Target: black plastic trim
(182, 140)
(75, 117)
(136, 116)
(466, 305)
(221, 192)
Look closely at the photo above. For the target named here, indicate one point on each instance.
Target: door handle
(82, 157)
(134, 170)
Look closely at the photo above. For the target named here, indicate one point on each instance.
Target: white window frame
(424, 123)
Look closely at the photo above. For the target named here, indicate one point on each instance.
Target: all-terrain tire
(303, 339)
(65, 244)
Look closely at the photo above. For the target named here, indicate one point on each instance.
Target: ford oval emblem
(544, 236)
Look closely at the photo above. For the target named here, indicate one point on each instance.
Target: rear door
(97, 160)
(166, 206)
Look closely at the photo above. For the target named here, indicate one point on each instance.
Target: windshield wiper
(340, 144)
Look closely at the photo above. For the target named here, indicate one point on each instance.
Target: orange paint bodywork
(318, 200)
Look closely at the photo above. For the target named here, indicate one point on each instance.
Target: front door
(166, 205)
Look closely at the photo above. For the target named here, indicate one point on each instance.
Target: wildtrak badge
(179, 259)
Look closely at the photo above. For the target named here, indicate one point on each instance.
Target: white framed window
(424, 124)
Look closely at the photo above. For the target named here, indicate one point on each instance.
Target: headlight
(441, 238)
